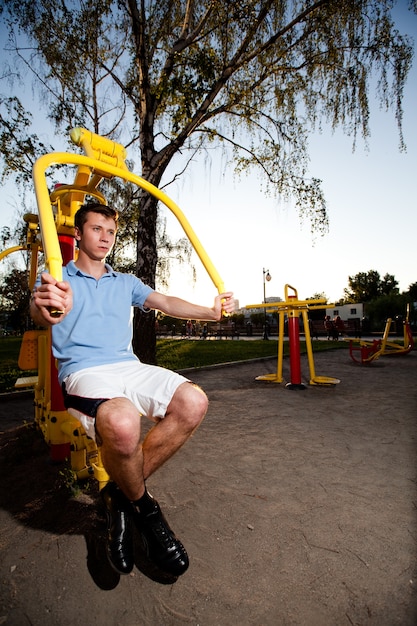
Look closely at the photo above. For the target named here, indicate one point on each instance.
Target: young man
(108, 389)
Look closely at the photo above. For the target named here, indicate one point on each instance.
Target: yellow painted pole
(308, 347)
(52, 251)
(386, 335)
(286, 292)
(281, 326)
(33, 270)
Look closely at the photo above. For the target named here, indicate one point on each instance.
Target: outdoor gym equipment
(369, 351)
(293, 307)
(53, 234)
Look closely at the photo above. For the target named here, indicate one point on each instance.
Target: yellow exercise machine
(293, 307)
(52, 232)
(369, 351)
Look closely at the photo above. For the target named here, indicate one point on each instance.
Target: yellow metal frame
(33, 245)
(292, 306)
(91, 171)
(103, 158)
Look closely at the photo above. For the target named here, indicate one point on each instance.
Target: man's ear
(77, 233)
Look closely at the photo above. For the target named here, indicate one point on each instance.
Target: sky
(371, 197)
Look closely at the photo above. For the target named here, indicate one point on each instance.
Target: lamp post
(266, 277)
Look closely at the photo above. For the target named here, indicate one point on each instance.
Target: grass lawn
(174, 354)
(180, 354)
(9, 370)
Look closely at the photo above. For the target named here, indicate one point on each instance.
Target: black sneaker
(119, 528)
(161, 545)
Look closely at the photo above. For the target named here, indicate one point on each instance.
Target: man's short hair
(93, 207)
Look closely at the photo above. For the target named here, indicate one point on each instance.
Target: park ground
(297, 508)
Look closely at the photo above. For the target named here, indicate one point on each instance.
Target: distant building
(248, 312)
(346, 311)
(273, 299)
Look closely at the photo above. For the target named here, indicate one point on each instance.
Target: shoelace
(162, 533)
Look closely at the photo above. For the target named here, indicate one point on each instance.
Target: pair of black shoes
(161, 545)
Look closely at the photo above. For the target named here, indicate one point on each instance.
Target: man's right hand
(50, 297)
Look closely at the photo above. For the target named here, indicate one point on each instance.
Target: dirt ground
(297, 507)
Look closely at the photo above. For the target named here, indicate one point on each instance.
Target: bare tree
(174, 77)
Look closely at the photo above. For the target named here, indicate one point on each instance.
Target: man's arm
(50, 295)
(176, 307)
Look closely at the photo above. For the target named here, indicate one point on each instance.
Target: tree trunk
(144, 338)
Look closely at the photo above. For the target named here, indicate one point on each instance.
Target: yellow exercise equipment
(52, 232)
(369, 351)
(292, 307)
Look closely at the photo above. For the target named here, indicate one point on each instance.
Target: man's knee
(189, 404)
(118, 425)
(198, 404)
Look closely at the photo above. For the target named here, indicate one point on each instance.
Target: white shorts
(149, 387)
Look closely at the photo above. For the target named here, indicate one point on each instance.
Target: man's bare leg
(118, 427)
(184, 414)
(129, 463)
(118, 430)
(118, 424)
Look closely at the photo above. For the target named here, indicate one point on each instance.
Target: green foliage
(367, 286)
(15, 295)
(257, 319)
(238, 319)
(18, 148)
(380, 309)
(381, 298)
(68, 482)
(412, 292)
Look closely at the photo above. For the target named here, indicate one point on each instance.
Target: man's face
(97, 238)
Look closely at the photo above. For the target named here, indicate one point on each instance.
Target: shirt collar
(72, 270)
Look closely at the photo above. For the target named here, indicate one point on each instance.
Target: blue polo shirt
(98, 329)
